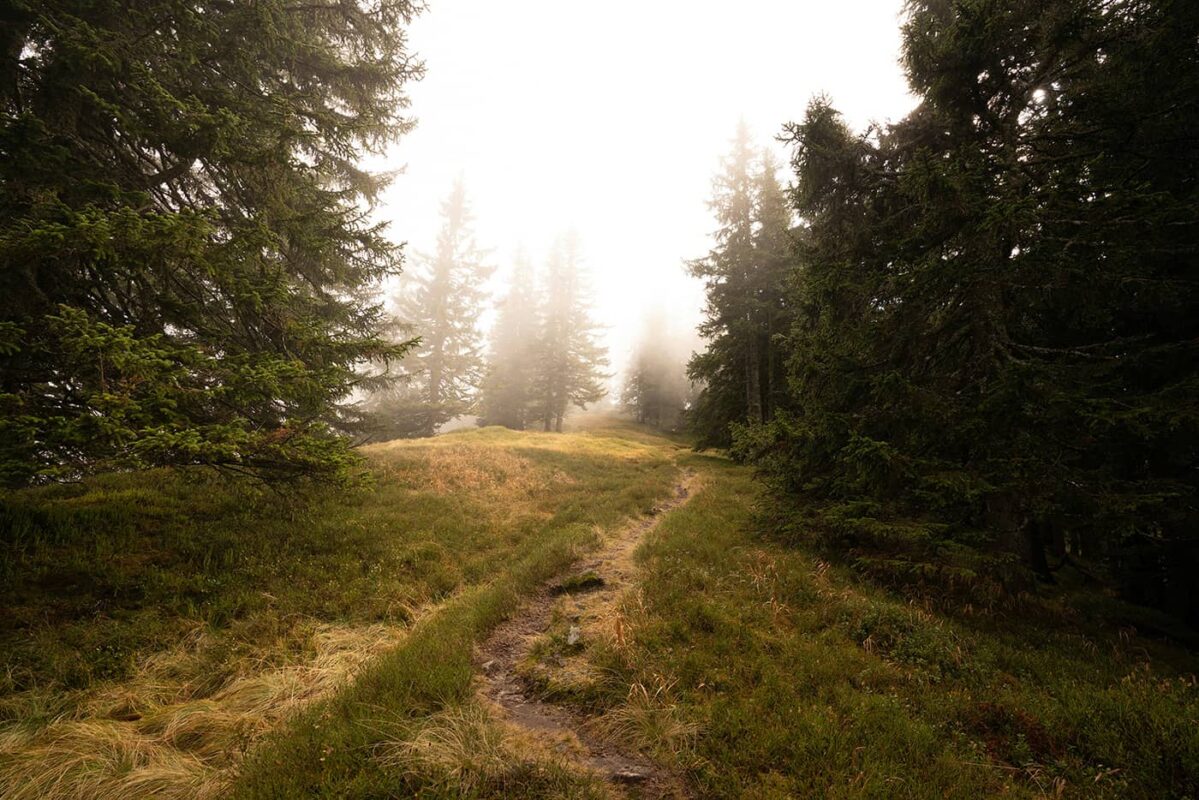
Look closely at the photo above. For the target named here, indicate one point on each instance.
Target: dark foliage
(186, 264)
(742, 371)
(997, 333)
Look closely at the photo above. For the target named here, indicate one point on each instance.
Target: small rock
(628, 776)
(488, 666)
(572, 638)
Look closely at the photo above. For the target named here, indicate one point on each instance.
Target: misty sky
(611, 118)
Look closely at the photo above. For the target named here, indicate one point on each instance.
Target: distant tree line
(657, 391)
(543, 359)
(978, 361)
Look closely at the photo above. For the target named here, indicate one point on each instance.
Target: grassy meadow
(761, 671)
(178, 635)
(160, 626)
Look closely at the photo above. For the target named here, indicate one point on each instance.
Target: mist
(611, 122)
(542, 399)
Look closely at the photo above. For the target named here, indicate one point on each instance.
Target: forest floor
(495, 614)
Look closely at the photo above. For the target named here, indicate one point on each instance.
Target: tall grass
(164, 624)
(772, 674)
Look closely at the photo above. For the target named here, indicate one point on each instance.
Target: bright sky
(611, 118)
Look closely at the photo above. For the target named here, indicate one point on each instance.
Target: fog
(610, 120)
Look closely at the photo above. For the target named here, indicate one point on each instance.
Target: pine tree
(506, 392)
(187, 265)
(776, 266)
(741, 370)
(569, 361)
(441, 301)
(656, 390)
(996, 332)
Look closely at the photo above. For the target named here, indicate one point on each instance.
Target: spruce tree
(656, 390)
(187, 261)
(441, 301)
(741, 370)
(506, 391)
(996, 332)
(569, 362)
(776, 266)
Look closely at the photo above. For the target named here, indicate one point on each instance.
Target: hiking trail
(562, 729)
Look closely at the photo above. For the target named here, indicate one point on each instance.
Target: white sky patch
(611, 118)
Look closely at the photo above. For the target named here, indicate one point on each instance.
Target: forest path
(558, 726)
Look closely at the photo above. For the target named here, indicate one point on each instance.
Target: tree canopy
(441, 301)
(742, 370)
(996, 326)
(187, 257)
(507, 388)
(568, 361)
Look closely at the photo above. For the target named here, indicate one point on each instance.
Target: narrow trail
(628, 773)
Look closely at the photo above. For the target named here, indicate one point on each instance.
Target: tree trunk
(1057, 540)
(1019, 532)
(753, 381)
(1034, 550)
(768, 409)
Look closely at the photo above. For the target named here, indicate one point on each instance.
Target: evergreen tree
(506, 392)
(569, 360)
(997, 331)
(442, 301)
(775, 266)
(656, 389)
(742, 370)
(186, 265)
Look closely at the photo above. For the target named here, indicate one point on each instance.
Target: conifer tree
(569, 365)
(187, 262)
(776, 266)
(996, 337)
(741, 370)
(441, 301)
(506, 391)
(656, 390)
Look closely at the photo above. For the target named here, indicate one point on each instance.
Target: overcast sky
(611, 118)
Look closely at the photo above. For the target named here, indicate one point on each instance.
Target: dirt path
(628, 773)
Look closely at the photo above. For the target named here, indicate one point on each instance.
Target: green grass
(792, 678)
(179, 635)
(172, 596)
(582, 582)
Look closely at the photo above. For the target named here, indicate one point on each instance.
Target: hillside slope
(181, 636)
(159, 627)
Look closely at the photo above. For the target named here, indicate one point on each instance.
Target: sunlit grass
(182, 637)
(163, 624)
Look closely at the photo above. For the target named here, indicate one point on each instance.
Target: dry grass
(505, 485)
(466, 752)
(286, 596)
(651, 721)
(461, 747)
(173, 730)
